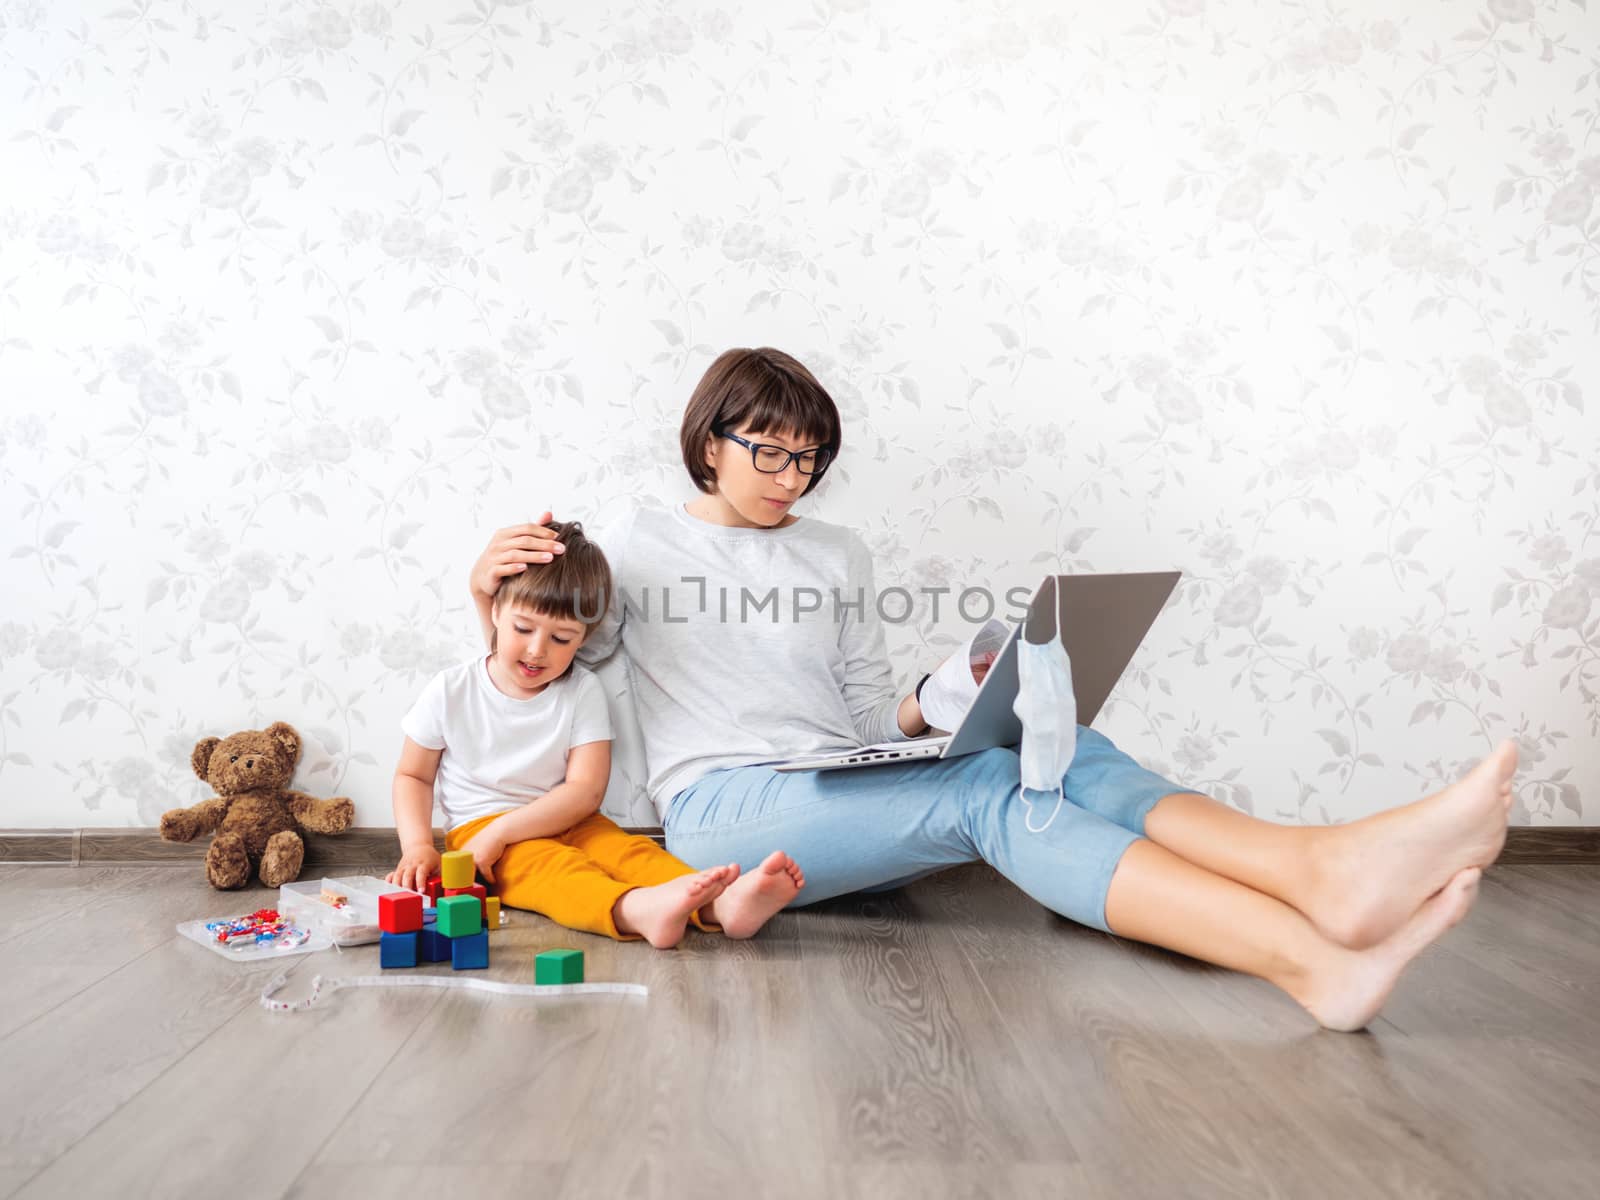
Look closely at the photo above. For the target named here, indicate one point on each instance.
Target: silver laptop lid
(1103, 618)
(991, 721)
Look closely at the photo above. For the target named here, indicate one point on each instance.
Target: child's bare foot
(1348, 991)
(660, 914)
(752, 901)
(1369, 877)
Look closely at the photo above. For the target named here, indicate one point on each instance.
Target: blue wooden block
(433, 946)
(471, 952)
(397, 950)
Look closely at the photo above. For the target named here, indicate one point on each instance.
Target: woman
(753, 635)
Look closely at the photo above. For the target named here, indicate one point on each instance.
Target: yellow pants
(576, 879)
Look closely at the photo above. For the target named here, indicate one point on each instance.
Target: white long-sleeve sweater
(744, 645)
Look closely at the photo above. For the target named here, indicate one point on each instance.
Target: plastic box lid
(355, 924)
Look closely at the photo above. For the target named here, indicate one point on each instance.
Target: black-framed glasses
(773, 460)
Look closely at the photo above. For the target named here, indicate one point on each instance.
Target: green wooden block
(460, 916)
(558, 966)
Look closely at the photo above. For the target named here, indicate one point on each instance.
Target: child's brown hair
(575, 585)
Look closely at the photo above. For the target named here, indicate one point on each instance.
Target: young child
(516, 747)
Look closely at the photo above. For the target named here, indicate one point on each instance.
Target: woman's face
(758, 499)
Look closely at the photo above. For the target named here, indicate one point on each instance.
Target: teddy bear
(257, 818)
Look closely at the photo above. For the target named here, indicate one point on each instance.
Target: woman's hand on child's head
(486, 846)
(417, 865)
(510, 550)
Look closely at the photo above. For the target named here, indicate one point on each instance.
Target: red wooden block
(435, 889)
(478, 890)
(400, 912)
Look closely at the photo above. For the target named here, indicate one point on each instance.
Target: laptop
(1102, 619)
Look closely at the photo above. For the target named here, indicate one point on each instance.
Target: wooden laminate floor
(951, 1038)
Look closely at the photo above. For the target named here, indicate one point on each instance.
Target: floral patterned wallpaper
(300, 301)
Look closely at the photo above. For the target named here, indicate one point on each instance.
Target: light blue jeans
(872, 828)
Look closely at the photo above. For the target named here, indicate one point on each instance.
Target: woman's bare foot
(660, 914)
(1367, 878)
(1347, 991)
(752, 901)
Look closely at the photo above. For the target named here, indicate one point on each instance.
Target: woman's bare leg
(1160, 898)
(1358, 882)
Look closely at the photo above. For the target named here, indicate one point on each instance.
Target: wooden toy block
(460, 916)
(397, 949)
(433, 946)
(400, 912)
(491, 912)
(470, 953)
(478, 890)
(434, 890)
(558, 966)
(456, 870)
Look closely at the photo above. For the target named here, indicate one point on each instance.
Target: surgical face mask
(1049, 714)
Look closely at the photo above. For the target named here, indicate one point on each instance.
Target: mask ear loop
(1027, 817)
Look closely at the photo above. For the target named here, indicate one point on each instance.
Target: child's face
(532, 648)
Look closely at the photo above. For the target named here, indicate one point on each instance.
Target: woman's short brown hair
(574, 585)
(765, 389)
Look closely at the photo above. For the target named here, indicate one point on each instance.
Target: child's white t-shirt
(500, 753)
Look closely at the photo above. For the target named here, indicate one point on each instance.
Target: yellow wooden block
(491, 913)
(456, 869)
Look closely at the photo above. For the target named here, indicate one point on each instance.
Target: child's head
(543, 613)
(766, 397)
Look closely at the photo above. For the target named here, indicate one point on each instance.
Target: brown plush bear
(254, 813)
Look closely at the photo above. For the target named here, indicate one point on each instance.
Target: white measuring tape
(321, 985)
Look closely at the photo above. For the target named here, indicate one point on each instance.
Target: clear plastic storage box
(354, 923)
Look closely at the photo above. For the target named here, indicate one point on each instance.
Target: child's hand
(418, 864)
(486, 846)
